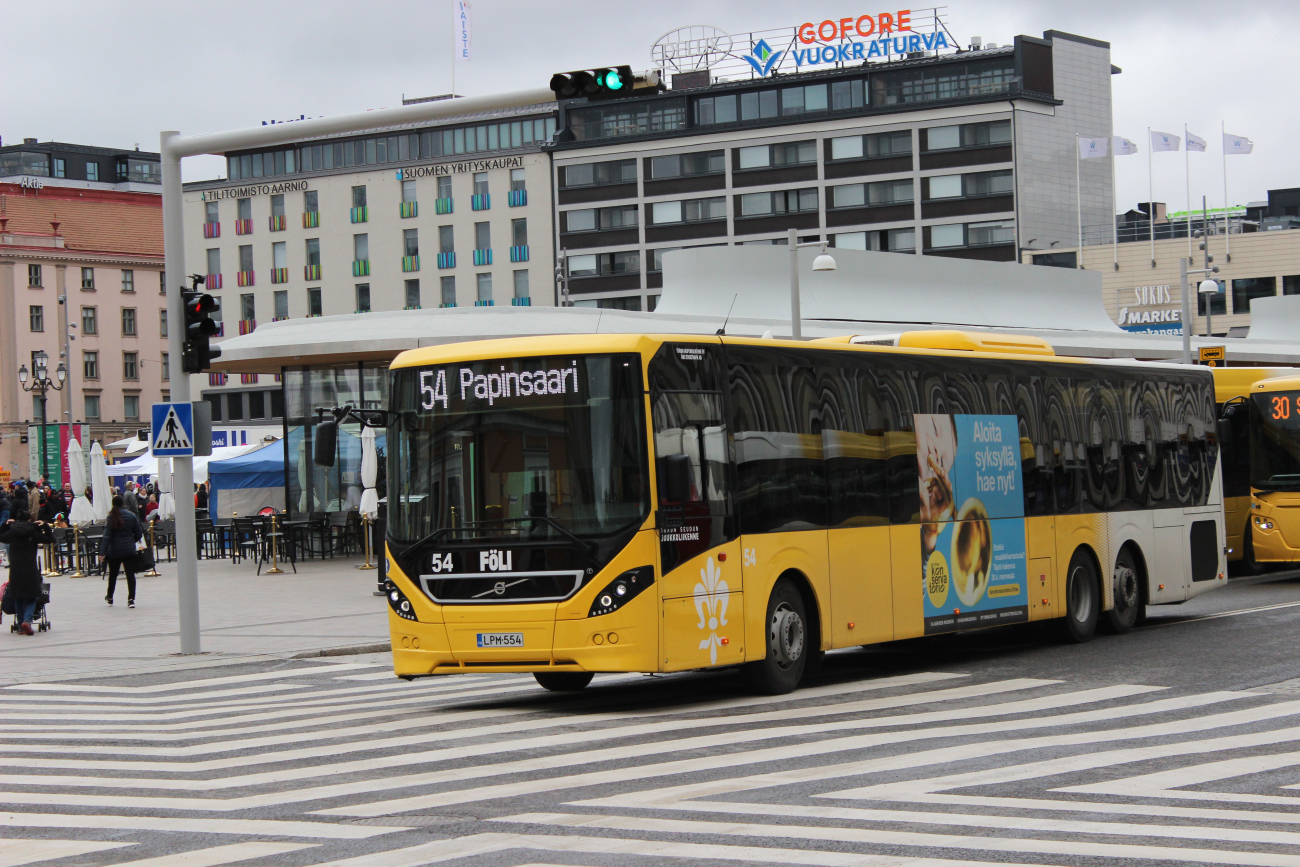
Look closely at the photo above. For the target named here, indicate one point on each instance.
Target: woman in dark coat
(24, 539)
(117, 546)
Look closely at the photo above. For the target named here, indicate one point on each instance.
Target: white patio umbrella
(166, 502)
(99, 486)
(369, 473)
(81, 511)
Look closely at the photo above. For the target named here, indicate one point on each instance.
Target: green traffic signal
(613, 80)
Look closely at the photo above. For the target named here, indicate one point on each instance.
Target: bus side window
(898, 400)
(1066, 457)
(1037, 457)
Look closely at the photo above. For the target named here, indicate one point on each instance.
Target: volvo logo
(500, 588)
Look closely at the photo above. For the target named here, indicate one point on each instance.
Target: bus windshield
(528, 448)
(1275, 441)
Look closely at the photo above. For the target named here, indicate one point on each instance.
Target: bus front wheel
(1082, 600)
(781, 669)
(563, 681)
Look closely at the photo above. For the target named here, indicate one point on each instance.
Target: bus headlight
(1263, 523)
(621, 590)
(398, 602)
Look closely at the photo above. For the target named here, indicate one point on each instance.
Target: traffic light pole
(174, 147)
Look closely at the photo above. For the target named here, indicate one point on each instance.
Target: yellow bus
(642, 503)
(1259, 429)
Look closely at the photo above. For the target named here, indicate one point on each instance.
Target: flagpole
(1114, 195)
(1151, 205)
(453, 50)
(1187, 179)
(1227, 227)
(1078, 202)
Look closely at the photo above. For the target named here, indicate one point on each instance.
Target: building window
(446, 240)
(128, 280)
(359, 197)
(235, 406)
(968, 135)
(34, 276)
(785, 154)
(595, 174)
(950, 235)
(310, 202)
(408, 191)
(162, 282)
(211, 213)
(90, 365)
(60, 168)
(92, 171)
(884, 240)
(363, 297)
(280, 255)
(246, 257)
(884, 144)
(131, 407)
(281, 300)
(277, 205)
(448, 291)
(36, 317)
(214, 263)
(519, 233)
(130, 365)
(89, 320)
(412, 294)
(244, 209)
(247, 307)
(88, 278)
(604, 264)
(1247, 290)
(516, 180)
(257, 404)
(984, 234)
(444, 187)
(480, 183)
(484, 283)
(521, 284)
(482, 236)
(689, 211)
(361, 247)
(778, 202)
(92, 407)
(166, 367)
(594, 219)
(629, 117)
(688, 165)
(987, 183)
(215, 401)
(411, 242)
(313, 252)
(863, 195)
(128, 322)
(313, 302)
(162, 322)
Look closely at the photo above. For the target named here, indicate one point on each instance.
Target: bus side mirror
(675, 478)
(325, 443)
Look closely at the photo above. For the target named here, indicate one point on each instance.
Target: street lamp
(41, 383)
(824, 262)
(1208, 288)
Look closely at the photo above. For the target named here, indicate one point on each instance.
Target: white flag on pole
(464, 24)
(1237, 144)
(1163, 141)
(1123, 147)
(1090, 148)
(1195, 142)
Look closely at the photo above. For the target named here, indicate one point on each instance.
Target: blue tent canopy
(251, 481)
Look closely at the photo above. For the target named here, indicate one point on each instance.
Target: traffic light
(200, 327)
(610, 82)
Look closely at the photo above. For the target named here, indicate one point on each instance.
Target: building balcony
(519, 253)
(279, 275)
(444, 206)
(480, 203)
(361, 268)
(249, 378)
(521, 302)
(311, 272)
(221, 329)
(447, 260)
(360, 215)
(217, 379)
(243, 227)
(311, 219)
(412, 307)
(212, 230)
(212, 281)
(452, 304)
(408, 209)
(517, 198)
(411, 263)
(483, 257)
(247, 326)
(277, 222)
(278, 318)
(245, 278)
(487, 303)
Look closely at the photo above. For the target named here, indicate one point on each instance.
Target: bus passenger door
(861, 580)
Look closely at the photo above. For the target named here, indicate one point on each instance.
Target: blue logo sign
(763, 57)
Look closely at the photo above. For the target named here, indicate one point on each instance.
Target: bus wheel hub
(786, 635)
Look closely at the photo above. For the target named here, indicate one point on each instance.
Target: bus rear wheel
(1082, 600)
(1128, 594)
(786, 633)
(563, 681)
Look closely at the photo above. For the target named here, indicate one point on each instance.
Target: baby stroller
(40, 618)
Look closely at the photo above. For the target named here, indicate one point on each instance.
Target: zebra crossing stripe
(913, 839)
(17, 852)
(259, 827)
(218, 855)
(316, 669)
(1112, 808)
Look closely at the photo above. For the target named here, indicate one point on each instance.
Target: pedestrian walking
(6, 511)
(130, 500)
(24, 538)
(117, 547)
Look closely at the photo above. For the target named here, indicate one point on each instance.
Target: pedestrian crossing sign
(172, 434)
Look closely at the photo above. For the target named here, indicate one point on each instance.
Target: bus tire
(563, 681)
(1249, 565)
(787, 633)
(1128, 593)
(1082, 600)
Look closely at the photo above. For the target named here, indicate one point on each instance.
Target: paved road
(1178, 744)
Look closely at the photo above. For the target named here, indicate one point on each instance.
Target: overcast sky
(115, 73)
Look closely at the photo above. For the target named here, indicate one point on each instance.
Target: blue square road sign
(172, 434)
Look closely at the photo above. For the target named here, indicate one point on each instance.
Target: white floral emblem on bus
(711, 605)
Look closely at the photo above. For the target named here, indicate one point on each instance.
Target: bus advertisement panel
(973, 529)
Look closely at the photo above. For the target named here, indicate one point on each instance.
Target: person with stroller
(117, 547)
(24, 538)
